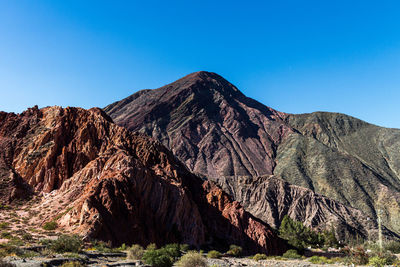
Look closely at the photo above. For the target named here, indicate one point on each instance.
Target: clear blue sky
(295, 56)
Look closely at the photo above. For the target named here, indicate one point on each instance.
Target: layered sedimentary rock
(208, 123)
(270, 198)
(104, 182)
(223, 135)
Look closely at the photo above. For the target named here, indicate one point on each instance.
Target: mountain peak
(203, 75)
(204, 80)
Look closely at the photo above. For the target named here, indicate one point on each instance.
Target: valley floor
(95, 259)
(228, 262)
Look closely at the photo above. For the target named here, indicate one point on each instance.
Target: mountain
(92, 177)
(224, 136)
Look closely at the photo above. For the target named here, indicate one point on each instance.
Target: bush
(235, 251)
(67, 243)
(192, 259)
(151, 246)
(50, 226)
(383, 257)
(27, 236)
(157, 258)
(335, 260)
(329, 239)
(377, 261)
(259, 257)
(8, 249)
(135, 252)
(163, 257)
(392, 246)
(173, 250)
(45, 242)
(213, 254)
(73, 264)
(291, 254)
(185, 247)
(4, 225)
(102, 246)
(318, 260)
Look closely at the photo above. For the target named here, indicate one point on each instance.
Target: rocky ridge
(104, 182)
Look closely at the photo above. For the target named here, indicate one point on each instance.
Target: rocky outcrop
(104, 182)
(270, 198)
(221, 134)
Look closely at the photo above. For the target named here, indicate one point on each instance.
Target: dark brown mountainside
(104, 182)
(208, 123)
(223, 135)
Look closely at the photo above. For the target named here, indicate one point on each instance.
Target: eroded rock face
(102, 181)
(223, 135)
(208, 124)
(270, 198)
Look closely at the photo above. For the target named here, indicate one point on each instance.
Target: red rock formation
(104, 182)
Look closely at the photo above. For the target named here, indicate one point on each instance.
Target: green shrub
(6, 235)
(73, 264)
(259, 257)
(7, 249)
(157, 258)
(235, 251)
(50, 226)
(46, 242)
(122, 247)
(377, 261)
(28, 254)
(213, 254)
(185, 247)
(151, 246)
(192, 259)
(329, 239)
(318, 260)
(164, 256)
(135, 252)
(67, 243)
(27, 236)
(173, 250)
(102, 246)
(392, 246)
(4, 225)
(384, 257)
(291, 254)
(334, 260)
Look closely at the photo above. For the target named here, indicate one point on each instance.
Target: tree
(298, 235)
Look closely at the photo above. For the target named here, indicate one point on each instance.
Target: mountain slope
(208, 123)
(104, 182)
(346, 159)
(270, 199)
(221, 134)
